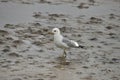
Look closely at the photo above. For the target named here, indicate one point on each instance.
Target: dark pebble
(93, 39)
(85, 67)
(6, 50)
(109, 27)
(41, 50)
(14, 54)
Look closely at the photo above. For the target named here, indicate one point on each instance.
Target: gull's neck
(58, 36)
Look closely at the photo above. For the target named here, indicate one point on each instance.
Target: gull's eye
(55, 31)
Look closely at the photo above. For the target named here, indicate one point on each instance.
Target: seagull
(62, 42)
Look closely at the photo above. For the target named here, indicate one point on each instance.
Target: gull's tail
(77, 45)
(81, 46)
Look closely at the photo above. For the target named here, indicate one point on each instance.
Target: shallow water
(14, 13)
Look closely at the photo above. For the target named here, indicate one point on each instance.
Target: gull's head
(56, 31)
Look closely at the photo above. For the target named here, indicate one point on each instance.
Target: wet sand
(27, 51)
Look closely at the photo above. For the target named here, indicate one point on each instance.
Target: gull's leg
(63, 58)
(65, 54)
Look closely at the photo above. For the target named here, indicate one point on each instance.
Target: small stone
(38, 43)
(30, 57)
(3, 32)
(10, 26)
(56, 15)
(17, 61)
(2, 42)
(79, 35)
(98, 46)
(112, 16)
(6, 50)
(85, 67)
(40, 50)
(115, 59)
(17, 42)
(63, 29)
(4, 0)
(109, 27)
(37, 14)
(111, 34)
(82, 5)
(93, 39)
(92, 1)
(37, 24)
(52, 76)
(45, 30)
(13, 54)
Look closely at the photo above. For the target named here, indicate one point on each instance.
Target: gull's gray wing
(69, 43)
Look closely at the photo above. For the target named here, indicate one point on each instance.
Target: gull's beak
(50, 33)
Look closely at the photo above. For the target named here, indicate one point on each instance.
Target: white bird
(63, 42)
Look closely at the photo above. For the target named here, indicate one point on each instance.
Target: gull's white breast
(58, 41)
